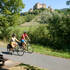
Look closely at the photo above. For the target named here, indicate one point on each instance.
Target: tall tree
(11, 6)
(8, 14)
(68, 2)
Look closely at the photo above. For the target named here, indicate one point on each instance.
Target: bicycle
(18, 49)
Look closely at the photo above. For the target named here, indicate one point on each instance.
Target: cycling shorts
(22, 41)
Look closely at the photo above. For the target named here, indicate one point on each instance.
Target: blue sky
(55, 4)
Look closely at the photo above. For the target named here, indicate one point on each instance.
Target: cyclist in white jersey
(13, 41)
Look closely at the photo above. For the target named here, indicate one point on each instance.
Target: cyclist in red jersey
(24, 37)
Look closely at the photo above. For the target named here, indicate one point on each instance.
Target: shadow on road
(2, 68)
(6, 53)
(9, 53)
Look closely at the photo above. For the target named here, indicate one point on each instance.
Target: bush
(58, 27)
(56, 33)
(29, 18)
(40, 35)
(6, 22)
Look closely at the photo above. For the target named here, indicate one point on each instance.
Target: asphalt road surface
(43, 61)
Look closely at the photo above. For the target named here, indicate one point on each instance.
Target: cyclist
(24, 37)
(13, 41)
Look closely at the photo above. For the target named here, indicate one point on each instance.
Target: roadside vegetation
(26, 67)
(50, 51)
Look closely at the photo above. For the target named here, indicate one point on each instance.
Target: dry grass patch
(3, 43)
(18, 68)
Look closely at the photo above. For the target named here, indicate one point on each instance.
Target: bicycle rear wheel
(20, 51)
(9, 49)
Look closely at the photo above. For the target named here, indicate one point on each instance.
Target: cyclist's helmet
(13, 35)
(25, 32)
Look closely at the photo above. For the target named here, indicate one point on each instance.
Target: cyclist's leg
(13, 44)
(16, 44)
(9, 47)
(23, 44)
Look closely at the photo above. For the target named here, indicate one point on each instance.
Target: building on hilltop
(30, 10)
(39, 6)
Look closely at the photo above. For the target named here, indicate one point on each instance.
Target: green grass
(48, 51)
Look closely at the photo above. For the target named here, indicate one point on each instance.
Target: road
(43, 61)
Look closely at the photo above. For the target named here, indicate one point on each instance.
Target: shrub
(58, 27)
(6, 22)
(56, 33)
(40, 35)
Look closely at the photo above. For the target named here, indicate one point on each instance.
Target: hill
(35, 21)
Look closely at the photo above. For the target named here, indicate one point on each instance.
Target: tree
(9, 14)
(11, 6)
(68, 2)
(5, 22)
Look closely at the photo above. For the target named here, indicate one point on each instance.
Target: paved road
(43, 61)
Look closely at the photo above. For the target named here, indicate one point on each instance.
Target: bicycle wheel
(29, 48)
(20, 51)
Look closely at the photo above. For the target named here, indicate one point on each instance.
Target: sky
(55, 4)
